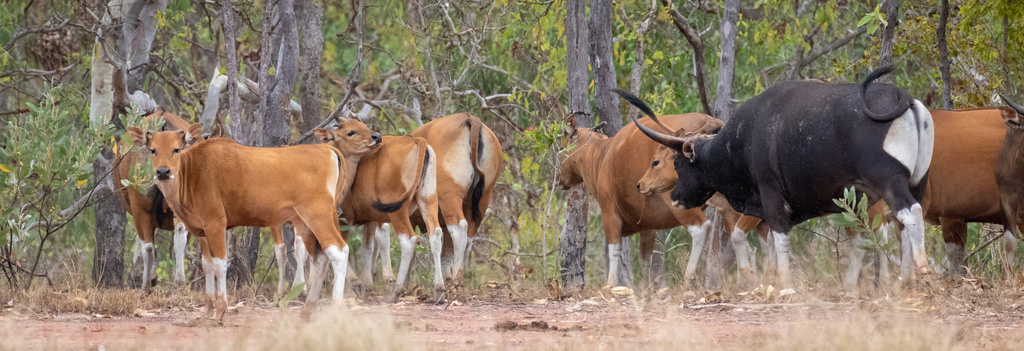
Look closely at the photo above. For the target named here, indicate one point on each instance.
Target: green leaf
(291, 295)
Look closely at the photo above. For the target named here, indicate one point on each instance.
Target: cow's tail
(475, 145)
(422, 159)
(902, 102)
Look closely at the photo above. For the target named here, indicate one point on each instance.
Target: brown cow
(468, 164)
(149, 211)
(1008, 169)
(353, 139)
(610, 167)
(220, 184)
(393, 181)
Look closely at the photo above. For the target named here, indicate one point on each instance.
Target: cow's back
(961, 180)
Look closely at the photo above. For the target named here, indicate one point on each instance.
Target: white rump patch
(332, 179)
(457, 163)
(428, 184)
(910, 140)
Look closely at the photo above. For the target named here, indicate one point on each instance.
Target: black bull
(788, 152)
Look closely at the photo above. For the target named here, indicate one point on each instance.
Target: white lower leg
(383, 247)
(180, 243)
(367, 253)
(301, 255)
(211, 283)
(856, 263)
(913, 234)
(282, 263)
(460, 238)
(742, 249)
(408, 244)
(317, 275)
(782, 251)
(221, 266)
(1009, 249)
(883, 258)
(614, 252)
(339, 261)
(955, 255)
(699, 236)
(148, 260)
(436, 240)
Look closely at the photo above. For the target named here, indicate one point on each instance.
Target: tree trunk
(231, 49)
(940, 35)
(574, 233)
(700, 65)
(108, 259)
(606, 101)
(137, 38)
(714, 271)
(892, 19)
(244, 250)
(1003, 60)
(310, 15)
(728, 60)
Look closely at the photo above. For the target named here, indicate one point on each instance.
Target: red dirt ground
(572, 324)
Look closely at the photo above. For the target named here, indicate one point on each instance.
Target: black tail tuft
(388, 207)
(635, 101)
(160, 211)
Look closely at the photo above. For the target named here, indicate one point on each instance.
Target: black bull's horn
(673, 142)
(1014, 106)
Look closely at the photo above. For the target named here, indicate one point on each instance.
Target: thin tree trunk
(606, 101)
(574, 234)
(940, 35)
(727, 63)
(1003, 59)
(699, 64)
(231, 49)
(310, 15)
(108, 258)
(888, 35)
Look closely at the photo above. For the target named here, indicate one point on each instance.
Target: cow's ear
(688, 151)
(323, 135)
(139, 137)
(1010, 116)
(193, 134)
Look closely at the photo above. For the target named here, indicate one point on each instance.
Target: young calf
(220, 184)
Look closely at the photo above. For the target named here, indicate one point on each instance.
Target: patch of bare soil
(950, 320)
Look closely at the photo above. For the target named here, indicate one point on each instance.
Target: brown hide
(962, 185)
(611, 167)
(469, 161)
(391, 173)
(219, 184)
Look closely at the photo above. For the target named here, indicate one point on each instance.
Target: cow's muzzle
(375, 137)
(163, 173)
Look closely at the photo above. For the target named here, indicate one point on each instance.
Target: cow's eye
(352, 133)
(176, 150)
(152, 151)
(655, 163)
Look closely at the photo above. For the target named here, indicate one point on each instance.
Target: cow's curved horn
(901, 105)
(673, 142)
(635, 101)
(1014, 106)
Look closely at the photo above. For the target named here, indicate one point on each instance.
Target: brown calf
(220, 184)
(468, 164)
(392, 182)
(149, 211)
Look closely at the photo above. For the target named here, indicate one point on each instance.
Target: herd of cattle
(782, 159)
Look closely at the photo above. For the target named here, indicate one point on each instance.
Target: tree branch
(700, 66)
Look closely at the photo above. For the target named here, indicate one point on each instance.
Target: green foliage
(855, 217)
